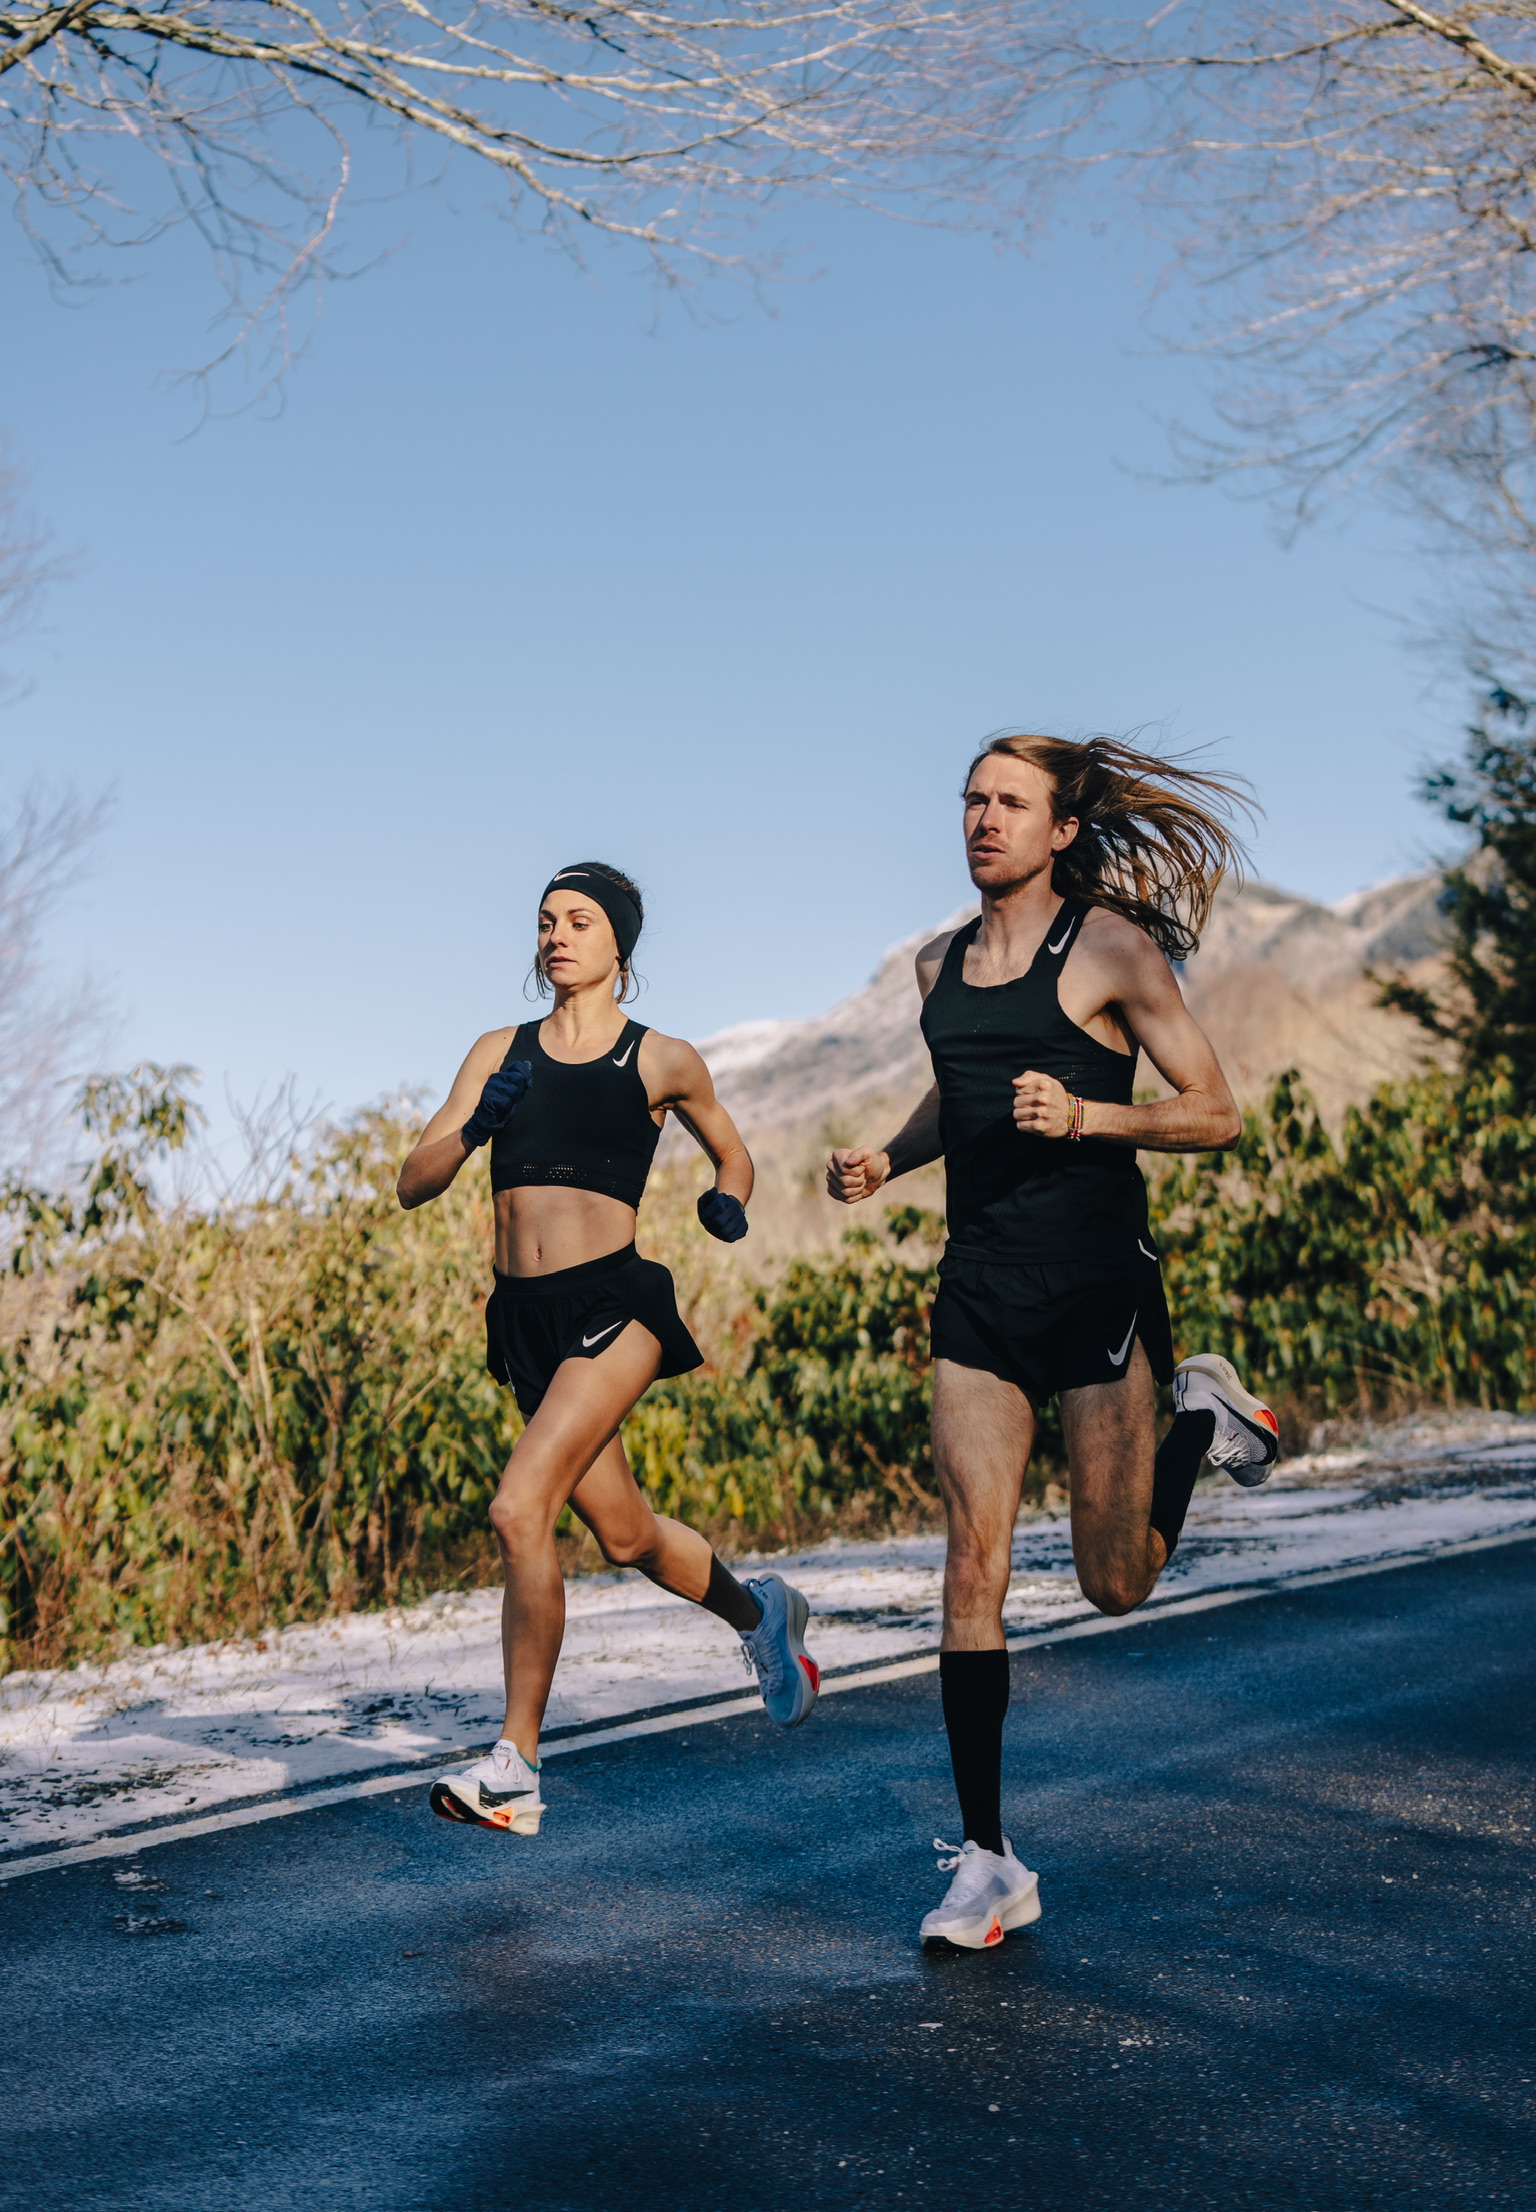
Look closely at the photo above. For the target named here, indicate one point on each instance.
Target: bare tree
(43, 841)
(43, 1027)
(1352, 186)
(651, 120)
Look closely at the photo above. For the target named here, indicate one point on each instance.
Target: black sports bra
(586, 1123)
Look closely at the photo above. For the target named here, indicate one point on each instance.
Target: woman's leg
(570, 1454)
(578, 1419)
(668, 1552)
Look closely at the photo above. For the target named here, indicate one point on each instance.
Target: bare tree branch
(648, 122)
(1348, 190)
(43, 844)
(43, 841)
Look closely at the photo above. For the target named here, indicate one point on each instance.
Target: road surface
(1286, 1957)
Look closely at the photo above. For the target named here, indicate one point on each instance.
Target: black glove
(498, 1102)
(723, 1216)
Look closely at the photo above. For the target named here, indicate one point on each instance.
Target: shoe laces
(1229, 1448)
(762, 1659)
(968, 1867)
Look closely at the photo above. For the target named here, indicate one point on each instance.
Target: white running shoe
(1247, 1439)
(501, 1791)
(787, 1675)
(988, 1896)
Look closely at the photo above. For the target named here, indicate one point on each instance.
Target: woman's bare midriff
(541, 1228)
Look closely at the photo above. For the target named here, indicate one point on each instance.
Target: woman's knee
(520, 1521)
(631, 1546)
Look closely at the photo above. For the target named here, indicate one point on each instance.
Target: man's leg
(1128, 1503)
(983, 1432)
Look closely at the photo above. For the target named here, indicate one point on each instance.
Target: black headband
(615, 902)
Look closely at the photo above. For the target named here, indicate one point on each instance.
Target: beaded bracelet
(1075, 1123)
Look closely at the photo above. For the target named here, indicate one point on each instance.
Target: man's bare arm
(859, 1173)
(1202, 1115)
(862, 1170)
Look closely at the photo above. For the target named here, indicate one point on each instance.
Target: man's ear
(1063, 834)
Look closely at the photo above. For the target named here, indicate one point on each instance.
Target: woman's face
(576, 942)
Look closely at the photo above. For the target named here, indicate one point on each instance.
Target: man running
(1096, 864)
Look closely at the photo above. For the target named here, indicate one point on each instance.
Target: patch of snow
(90, 1749)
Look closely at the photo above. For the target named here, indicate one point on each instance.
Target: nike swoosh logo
(1061, 940)
(628, 1049)
(588, 1341)
(1116, 1357)
(1143, 1250)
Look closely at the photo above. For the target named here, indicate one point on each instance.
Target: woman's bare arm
(677, 1079)
(440, 1151)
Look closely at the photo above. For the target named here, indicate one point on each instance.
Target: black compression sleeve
(973, 1686)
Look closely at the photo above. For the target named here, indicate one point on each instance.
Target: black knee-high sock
(1174, 1471)
(974, 1689)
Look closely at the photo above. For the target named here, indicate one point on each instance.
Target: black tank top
(585, 1124)
(1016, 1198)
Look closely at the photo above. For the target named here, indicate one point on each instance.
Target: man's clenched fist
(1042, 1105)
(856, 1174)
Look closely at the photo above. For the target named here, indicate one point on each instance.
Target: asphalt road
(1286, 1957)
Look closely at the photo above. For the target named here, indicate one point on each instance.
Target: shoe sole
(1263, 1427)
(448, 1805)
(988, 1929)
(809, 1676)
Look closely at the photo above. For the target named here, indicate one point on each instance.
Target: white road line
(899, 1670)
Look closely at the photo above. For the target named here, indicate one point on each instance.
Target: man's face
(1011, 833)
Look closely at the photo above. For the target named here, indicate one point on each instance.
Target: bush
(215, 1417)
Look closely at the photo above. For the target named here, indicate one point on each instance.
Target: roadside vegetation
(219, 1413)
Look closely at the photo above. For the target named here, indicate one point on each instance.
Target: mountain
(1279, 981)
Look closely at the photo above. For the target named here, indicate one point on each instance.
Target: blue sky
(521, 574)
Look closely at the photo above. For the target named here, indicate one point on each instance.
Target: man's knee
(1110, 1592)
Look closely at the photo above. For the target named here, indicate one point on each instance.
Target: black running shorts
(533, 1322)
(1053, 1328)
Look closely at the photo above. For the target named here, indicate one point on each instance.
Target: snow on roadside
(91, 1749)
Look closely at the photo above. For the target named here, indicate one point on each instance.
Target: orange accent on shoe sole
(812, 1670)
(1269, 1420)
(993, 1935)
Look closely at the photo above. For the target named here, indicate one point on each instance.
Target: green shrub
(216, 1417)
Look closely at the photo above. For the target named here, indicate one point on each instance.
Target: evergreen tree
(1489, 1011)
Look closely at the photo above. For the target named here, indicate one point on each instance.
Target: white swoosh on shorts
(1116, 1357)
(1143, 1250)
(628, 1049)
(588, 1341)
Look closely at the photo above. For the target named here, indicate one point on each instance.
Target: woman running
(578, 1324)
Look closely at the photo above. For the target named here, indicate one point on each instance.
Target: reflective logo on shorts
(1141, 1248)
(1116, 1357)
(588, 1341)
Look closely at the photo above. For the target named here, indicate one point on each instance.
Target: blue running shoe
(787, 1675)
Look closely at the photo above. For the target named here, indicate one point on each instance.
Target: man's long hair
(1154, 837)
